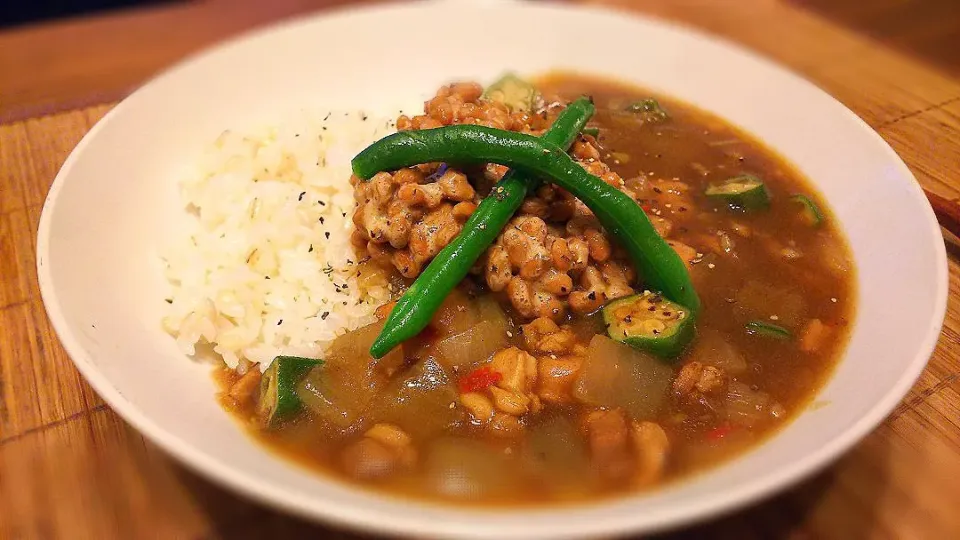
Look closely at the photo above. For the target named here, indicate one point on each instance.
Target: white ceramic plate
(115, 201)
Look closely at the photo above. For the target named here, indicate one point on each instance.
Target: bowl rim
(344, 514)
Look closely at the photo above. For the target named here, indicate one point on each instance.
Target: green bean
(659, 266)
(420, 301)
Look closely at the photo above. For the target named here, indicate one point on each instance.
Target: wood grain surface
(70, 468)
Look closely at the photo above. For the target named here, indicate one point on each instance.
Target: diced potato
(472, 346)
(616, 375)
(456, 314)
(758, 300)
(423, 401)
(712, 349)
(468, 469)
(555, 449)
(488, 309)
(348, 348)
(745, 406)
(335, 397)
(339, 392)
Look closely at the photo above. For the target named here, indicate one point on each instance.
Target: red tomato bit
(479, 379)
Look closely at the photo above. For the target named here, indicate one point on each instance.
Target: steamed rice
(267, 267)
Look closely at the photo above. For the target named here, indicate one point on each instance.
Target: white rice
(267, 267)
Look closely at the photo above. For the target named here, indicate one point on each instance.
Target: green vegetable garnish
(765, 329)
(278, 397)
(420, 301)
(809, 211)
(658, 264)
(649, 322)
(744, 192)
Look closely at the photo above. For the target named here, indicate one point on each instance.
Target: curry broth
(769, 266)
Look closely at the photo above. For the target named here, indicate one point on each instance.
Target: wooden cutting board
(70, 468)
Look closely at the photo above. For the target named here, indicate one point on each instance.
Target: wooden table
(70, 468)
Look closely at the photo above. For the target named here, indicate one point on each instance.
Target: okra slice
(278, 396)
(744, 192)
(649, 322)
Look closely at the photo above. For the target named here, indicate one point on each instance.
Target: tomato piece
(479, 379)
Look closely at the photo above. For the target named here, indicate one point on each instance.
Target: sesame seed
(834, 300)
(509, 333)
(774, 318)
(711, 266)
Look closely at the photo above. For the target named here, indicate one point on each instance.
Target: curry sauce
(516, 394)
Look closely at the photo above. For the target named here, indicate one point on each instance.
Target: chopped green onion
(765, 329)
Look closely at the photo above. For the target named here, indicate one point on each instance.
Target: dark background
(18, 12)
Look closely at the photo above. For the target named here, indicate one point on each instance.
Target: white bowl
(115, 201)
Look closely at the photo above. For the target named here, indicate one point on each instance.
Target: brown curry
(516, 393)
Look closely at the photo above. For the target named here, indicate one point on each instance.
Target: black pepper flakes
(324, 315)
(327, 235)
(311, 249)
(279, 322)
(302, 193)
